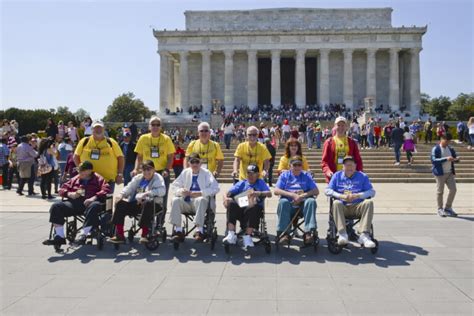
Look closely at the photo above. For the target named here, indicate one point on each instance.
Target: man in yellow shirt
(104, 153)
(249, 152)
(159, 148)
(209, 151)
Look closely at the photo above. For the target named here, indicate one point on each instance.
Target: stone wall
(336, 71)
(359, 75)
(383, 77)
(288, 19)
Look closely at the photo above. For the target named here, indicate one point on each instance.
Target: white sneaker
(365, 240)
(230, 239)
(248, 242)
(343, 239)
(396, 164)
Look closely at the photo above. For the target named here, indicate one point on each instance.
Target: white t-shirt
(471, 129)
(229, 129)
(286, 128)
(407, 135)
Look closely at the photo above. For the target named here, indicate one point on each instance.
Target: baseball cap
(97, 123)
(252, 169)
(347, 158)
(340, 119)
(86, 165)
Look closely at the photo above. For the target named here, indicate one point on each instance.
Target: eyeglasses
(297, 165)
(194, 162)
(155, 125)
(252, 135)
(204, 131)
(147, 169)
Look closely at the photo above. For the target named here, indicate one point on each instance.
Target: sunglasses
(252, 135)
(297, 165)
(147, 169)
(194, 162)
(204, 131)
(155, 125)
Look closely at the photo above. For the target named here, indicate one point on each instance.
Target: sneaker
(450, 212)
(441, 212)
(285, 239)
(396, 164)
(143, 240)
(308, 239)
(178, 237)
(56, 241)
(248, 242)
(343, 239)
(230, 239)
(80, 239)
(198, 236)
(365, 241)
(117, 240)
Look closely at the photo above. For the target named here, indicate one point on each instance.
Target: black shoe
(19, 193)
(178, 237)
(50, 197)
(44, 197)
(57, 241)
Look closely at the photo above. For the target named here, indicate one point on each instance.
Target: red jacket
(328, 160)
(96, 186)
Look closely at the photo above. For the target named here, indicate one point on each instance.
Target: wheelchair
(157, 230)
(210, 229)
(296, 232)
(259, 236)
(351, 221)
(100, 233)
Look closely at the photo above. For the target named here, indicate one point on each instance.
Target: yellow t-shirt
(159, 147)
(248, 155)
(285, 163)
(342, 150)
(209, 153)
(106, 162)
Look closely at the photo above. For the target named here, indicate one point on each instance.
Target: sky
(83, 54)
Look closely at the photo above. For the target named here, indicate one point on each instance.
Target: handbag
(43, 166)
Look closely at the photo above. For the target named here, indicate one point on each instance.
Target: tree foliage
(127, 108)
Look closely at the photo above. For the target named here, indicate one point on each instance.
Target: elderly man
(297, 190)
(337, 147)
(84, 194)
(351, 189)
(251, 152)
(193, 189)
(157, 147)
(26, 156)
(104, 153)
(249, 210)
(210, 151)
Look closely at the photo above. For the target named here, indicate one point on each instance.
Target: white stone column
(348, 91)
(171, 100)
(183, 80)
(415, 97)
(206, 81)
(177, 90)
(276, 79)
(163, 81)
(394, 92)
(371, 74)
(229, 81)
(252, 81)
(300, 79)
(324, 76)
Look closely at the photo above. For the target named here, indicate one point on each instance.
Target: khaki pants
(450, 181)
(196, 206)
(363, 210)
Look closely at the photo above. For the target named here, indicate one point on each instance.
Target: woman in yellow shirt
(292, 148)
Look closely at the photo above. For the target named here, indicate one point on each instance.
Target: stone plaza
(290, 56)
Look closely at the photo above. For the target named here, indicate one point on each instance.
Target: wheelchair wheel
(268, 246)
(152, 243)
(376, 248)
(164, 235)
(130, 235)
(71, 231)
(213, 238)
(227, 248)
(333, 247)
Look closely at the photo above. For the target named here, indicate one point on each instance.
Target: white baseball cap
(97, 123)
(340, 119)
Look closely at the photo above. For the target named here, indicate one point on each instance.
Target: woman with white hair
(251, 152)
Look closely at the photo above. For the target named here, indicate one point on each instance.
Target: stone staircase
(378, 164)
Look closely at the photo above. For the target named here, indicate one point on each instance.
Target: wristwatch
(120, 174)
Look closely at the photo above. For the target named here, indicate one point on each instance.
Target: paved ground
(424, 266)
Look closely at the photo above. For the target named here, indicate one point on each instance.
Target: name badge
(154, 152)
(95, 154)
(340, 161)
(243, 201)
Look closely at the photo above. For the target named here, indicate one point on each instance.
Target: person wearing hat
(297, 190)
(351, 190)
(251, 152)
(84, 194)
(250, 214)
(337, 147)
(157, 147)
(210, 151)
(140, 194)
(193, 190)
(104, 153)
(128, 148)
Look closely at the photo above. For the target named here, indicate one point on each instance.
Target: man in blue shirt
(297, 190)
(351, 189)
(248, 210)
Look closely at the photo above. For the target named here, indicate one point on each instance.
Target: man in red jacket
(337, 147)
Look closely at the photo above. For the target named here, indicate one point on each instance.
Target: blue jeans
(370, 139)
(126, 173)
(310, 140)
(227, 140)
(396, 149)
(318, 140)
(286, 211)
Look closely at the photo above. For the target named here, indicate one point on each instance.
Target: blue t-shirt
(244, 185)
(143, 184)
(359, 182)
(289, 182)
(194, 187)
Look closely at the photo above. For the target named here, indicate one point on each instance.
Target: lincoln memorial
(295, 56)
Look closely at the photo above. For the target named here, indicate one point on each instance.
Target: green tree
(81, 114)
(64, 114)
(462, 107)
(425, 102)
(29, 121)
(438, 107)
(126, 108)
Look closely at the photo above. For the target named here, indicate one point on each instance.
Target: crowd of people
(83, 170)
